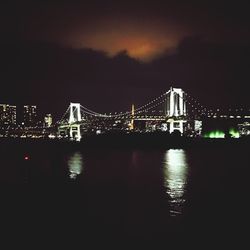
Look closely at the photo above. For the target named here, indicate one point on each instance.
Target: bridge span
(174, 109)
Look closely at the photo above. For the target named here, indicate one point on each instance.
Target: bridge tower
(132, 119)
(176, 109)
(74, 117)
(176, 105)
(74, 112)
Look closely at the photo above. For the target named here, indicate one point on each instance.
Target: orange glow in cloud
(143, 41)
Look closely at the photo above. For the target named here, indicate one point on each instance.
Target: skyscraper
(7, 114)
(29, 115)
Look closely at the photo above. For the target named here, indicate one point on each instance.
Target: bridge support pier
(75, 132)
(176, 125)
(70, 131)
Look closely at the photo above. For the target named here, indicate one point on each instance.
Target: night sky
(110, 54)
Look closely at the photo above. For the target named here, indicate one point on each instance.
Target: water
(124, 195)
(175, 168)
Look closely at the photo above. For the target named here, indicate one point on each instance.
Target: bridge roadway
(139, 118)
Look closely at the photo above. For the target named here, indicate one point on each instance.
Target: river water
(125, 195)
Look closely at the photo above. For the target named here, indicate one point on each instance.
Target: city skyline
(108, 56)
(26, 115)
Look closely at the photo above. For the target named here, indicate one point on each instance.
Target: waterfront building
(30, 115)
(7, 114)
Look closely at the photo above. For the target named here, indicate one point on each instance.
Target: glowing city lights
(234, 133)
(215, 134)
(172, 111)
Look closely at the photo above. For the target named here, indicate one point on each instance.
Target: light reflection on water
(75, 164)
(175, 178)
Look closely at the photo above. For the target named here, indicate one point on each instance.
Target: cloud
(143, 40)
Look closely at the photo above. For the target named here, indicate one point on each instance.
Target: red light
(26, 158)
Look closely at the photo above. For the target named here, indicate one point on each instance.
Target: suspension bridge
(174, 108)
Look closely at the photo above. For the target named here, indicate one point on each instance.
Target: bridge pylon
(132, 118)
(176, 110)
(175, 104)
(74, 112)
(72, 128)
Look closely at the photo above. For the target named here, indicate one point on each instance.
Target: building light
(7, 114)
(29, 115)
(48, 120)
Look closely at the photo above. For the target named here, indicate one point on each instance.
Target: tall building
(48, 120)
(29, 115)
(7, 114)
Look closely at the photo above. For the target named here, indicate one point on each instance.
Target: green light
(215, 134)
(234, 133)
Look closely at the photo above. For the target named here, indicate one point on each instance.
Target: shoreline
(150, 141)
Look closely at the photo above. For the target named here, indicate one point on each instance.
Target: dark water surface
(124, 196)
